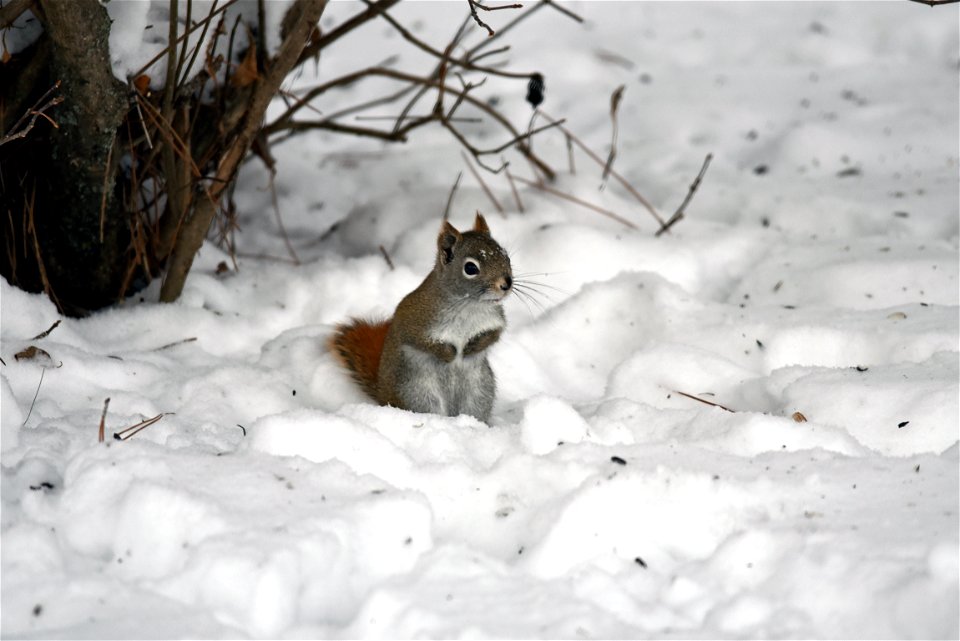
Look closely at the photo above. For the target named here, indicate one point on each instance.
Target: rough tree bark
(80, 231)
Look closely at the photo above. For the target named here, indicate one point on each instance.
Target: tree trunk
(59, 183)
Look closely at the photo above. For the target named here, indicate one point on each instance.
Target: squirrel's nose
(506, 283)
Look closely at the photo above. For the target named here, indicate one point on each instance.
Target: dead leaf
(142, 84)
(246, 73)
(34, 353)
(799, 418)
(5, 56)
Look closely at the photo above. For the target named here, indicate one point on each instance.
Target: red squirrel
(431, 356)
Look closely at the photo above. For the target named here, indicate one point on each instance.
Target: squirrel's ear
(480, 224)
(447, 240)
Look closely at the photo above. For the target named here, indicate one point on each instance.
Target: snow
(273, 500)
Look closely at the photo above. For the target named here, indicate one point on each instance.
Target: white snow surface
(815, 272)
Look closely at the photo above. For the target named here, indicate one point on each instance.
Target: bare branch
(623, 181)
(474, 5)
(563, 10)
(284, 121)
(373, 10)
(513, 187)
(306, 14)
(465, 63)
(186, 34)
(574, 199)
(453, 190)
(25, 124)
(483, 184)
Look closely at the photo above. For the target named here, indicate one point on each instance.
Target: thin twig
(574, 199)
(393, 118)
(174, 344)
(130, 432)
(563, 10)
(423, 46)
(474, 5)
(453, 190)
(25, 124)
(513, 188)
(615, 98)
(386, 257)
(373, 10)
(678, 215)
(46, 333)
(276, 212)
(704, 401)
(482, 182)
(623, 181)
(37, 393)
(185, 34)
(103, 419)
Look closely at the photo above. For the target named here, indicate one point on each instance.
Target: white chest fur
(463, 322)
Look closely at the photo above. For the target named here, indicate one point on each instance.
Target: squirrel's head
(472, 264)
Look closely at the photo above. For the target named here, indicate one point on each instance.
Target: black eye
(470, 268)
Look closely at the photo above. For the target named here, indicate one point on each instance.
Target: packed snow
(811, 291)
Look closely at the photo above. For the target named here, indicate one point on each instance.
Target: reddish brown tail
(358, 346)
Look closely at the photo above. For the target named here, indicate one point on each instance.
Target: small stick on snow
(615, 99)
(129, 432)
(174, 344)
(386, 257)
(691, 396)
(37, 393)
(46, 333)
(103, 419)
(678, 215)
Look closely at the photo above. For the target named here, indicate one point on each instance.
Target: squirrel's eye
(471, 269)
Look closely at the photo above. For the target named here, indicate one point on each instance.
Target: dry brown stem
(103, 420)
(706, 402)
(574, 199)
(453, 190)
(25, 124)
(483, 183)
(678, 215)
(623, 181)
(307, 14)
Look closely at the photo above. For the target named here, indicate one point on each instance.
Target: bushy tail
(358, 346)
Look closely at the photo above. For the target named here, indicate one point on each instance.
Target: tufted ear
(480, 224)
(447, 240)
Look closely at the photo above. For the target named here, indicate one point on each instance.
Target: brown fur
(358, 345)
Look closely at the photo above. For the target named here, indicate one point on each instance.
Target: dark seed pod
(535, 90)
